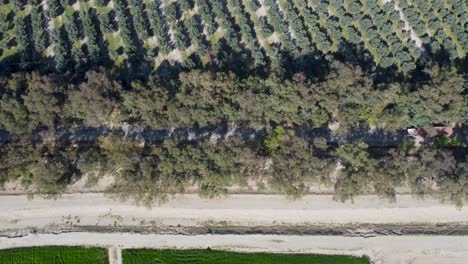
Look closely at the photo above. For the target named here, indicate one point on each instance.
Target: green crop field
(54, 255)
(145, 256)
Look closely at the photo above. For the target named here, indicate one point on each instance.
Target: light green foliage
(274, 139)
(444, 141)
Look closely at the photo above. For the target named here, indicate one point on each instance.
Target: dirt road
(18, 212)
(26, 222)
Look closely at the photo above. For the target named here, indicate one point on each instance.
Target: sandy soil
(382, 250)
(17, 212)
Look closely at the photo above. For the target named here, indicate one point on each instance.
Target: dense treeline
(30, 101)
(33, 106)
(148, 172)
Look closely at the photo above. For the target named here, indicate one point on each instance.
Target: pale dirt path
(414, 36)
(115, 255)
(382, 250)
(17, 212)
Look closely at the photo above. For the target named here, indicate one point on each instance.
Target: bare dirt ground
(95, 209)
(187, 221)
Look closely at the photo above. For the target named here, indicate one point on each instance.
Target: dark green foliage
(193, 28)
(22, 38)
(55, 8)
(280, 27)
(63, 255)
(254, 5)
(131, 45)
(94, 101)
(355, 178)
(179, 34)
(100, 3)
(146, 104)
(296, 166)
(186, 5)
(39, 33)
(297, 26)
(159, 26)
(440, 101)
(18, 4)
(171, 12)
(42, 99)
(92, 35)
(207, 17)
(265, 29)
(106, 23)
(453, 187)
(139, 19)
(308, 35)
(223, 15)
(71, 27)
(31, 101)
(61, 49)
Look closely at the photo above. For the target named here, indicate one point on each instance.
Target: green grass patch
(145, 256)
(8, 53)
(113, 40)
(54, 255)
(448, 142)
(7, 8)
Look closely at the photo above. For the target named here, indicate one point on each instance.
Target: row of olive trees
(421, 17)
(248, 34)
(227, 24)
(180, 36)
(452, 14)
(159, 26)
(127, 31)
(322, 40)
(205, 12)
(281, 27)
(302, 27)
(301, 35)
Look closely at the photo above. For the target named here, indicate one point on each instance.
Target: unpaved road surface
(95, 219)
(17, 211)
